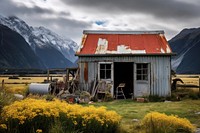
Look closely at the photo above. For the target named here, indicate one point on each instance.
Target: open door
(123, 73)
(142, 79)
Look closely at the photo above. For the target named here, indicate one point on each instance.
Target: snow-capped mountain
(15, 52)
(40, 37)
(65, 46)
(186, 45)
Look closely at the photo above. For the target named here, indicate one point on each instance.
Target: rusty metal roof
(123, 42)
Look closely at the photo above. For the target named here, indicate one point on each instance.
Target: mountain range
(186, 46)
(24, 46)
(22, 55)
(47, 49)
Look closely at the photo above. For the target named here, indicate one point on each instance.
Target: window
(142, 71)
(105, 71)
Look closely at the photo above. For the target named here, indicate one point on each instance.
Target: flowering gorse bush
(30, 114)
(161, 123)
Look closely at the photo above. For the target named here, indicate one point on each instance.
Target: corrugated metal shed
(124, 42)
(141, 59)
(160, 77)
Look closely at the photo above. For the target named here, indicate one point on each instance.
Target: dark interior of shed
(123, 73)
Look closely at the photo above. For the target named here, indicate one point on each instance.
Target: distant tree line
(5, 71)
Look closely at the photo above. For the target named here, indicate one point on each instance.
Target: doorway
(123, 73)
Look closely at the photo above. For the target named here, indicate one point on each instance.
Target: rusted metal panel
(86, 72)
(116, 43)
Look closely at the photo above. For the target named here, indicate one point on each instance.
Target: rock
(167, 101)
(140, 100)
(197, 113)
(135, 120)
(197, 130)
(19, 96)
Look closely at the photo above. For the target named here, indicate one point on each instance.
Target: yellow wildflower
(28, 109)
(3, 126)
(39, 131)
(165, 123)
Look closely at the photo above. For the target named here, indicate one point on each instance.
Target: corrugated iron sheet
(159, 71)
(119, 43)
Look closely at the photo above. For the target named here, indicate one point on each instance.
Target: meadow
(132, 112)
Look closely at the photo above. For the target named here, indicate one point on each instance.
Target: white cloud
(69, 18)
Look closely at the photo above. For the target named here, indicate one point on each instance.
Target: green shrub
(161, 123)
(156, 98)
(193, 95)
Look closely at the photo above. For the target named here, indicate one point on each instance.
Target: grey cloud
(62, 26)
(9, 8)
(65, 13)
(33, 17)
(63, 22)
(163, 12)
(158, 8)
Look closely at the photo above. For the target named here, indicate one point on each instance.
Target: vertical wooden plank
(67, 79)
(2, 84)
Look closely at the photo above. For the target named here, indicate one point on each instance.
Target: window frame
(111, 71)
(142, 72)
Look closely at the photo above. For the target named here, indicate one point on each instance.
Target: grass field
(189, 79)
(129, 109)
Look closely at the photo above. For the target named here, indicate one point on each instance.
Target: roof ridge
(121, 32)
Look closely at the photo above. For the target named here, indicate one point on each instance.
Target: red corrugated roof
(122, 43)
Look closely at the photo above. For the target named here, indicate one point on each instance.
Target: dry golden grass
(24, 80)
(16, 88)
(189, 79)
(20, 85)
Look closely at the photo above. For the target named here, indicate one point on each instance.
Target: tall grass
(5, 98)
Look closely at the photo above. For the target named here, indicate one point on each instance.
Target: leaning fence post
(3, 84)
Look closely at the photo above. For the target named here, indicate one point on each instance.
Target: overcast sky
(69, 18)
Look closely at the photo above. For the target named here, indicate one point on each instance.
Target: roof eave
(112, 55)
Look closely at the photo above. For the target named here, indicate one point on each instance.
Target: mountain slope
(187, 46)
(54, 51)
(66, 46)
(15, 52)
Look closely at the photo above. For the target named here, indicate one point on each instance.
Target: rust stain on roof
(122, 43)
